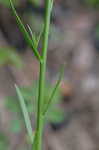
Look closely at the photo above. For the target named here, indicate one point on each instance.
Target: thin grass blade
(25, 33)
(25, 113)
(33, 37)
(54, 91)
(51, 4)
(40, 35)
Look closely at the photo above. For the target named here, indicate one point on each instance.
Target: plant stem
(42, 76)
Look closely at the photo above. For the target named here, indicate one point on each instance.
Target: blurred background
(72, 122)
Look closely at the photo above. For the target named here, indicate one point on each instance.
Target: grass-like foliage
(42, 109)
(25, 113)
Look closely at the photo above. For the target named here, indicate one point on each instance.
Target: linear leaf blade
(51, 4)
(25, 113)
(25, 33)
(54, 91)
(33, 37)
(40, 35)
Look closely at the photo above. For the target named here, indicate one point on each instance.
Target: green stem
(39, 129)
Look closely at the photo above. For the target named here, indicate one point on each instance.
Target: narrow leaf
(32, 36)
(25, 113)
(40, 34)
(51, 5)
(25, 33)
(54, 91)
